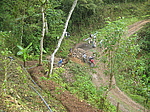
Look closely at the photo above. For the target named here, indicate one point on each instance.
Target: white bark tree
(44, 28)
(62, 36)
(42, 38)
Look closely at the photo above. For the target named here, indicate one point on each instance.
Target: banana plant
(24, 52)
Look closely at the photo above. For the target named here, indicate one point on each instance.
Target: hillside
(18, 87)
(115, 95)
(114, 32)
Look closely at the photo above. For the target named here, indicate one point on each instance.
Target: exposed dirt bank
(71, 102)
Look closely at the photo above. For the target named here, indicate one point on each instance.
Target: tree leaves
(21, 48)
(19, 52)
(24, 51)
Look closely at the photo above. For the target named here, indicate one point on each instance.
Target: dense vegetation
(21, 21)
(21, 31)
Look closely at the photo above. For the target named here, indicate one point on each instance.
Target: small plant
(24, 52)
(85, 89)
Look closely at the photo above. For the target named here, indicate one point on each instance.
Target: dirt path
(126, 104)
(115, 96)
(136, 26)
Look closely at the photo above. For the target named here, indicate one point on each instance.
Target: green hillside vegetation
(127, 58)
(135, 76)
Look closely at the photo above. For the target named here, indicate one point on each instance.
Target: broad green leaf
(21, 48)
(44, 51)
(19, 53)
(28, 46)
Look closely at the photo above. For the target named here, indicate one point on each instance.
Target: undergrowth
(83, 87)
(133, 76)
(16, 94)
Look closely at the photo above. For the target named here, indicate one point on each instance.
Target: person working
(67, 34)
(60, 62)
(84, 57)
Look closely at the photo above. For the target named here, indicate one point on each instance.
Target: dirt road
(115, 96)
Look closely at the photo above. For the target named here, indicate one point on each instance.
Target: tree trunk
(42, 38)
(22, 28)
(117, 107)
(110, 73)
(62, 36)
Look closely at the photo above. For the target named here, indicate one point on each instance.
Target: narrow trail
(115, 95)
(135, 27)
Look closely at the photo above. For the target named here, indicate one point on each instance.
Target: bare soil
(71, 102)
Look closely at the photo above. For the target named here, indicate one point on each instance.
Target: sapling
(24, 52)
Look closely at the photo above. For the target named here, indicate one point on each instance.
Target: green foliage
(24, 52)
(7, 41)
(16, 94)
(5, 52)
(84, 88)
(132, 69)
(112, 33)
(133, 74)
(22, 20)
(56, 76)
(144, 63)
(83, 11)
(122, 1)
(5, 65)
(144, 37)
(21, 24)
(84, 24)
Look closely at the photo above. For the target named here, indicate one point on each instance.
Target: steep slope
(116, 96)
(69, 101)
(16, 94)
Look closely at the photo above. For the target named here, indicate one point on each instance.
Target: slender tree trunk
(42, 38)
(21, 35)
(111, 70)
(110, 73)
(117, 107)
(60, 40)
(46, 26)
(22, 28)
